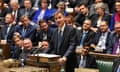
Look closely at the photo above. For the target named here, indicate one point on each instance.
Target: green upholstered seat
(104, 66)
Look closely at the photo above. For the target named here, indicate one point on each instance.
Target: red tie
(14, 15)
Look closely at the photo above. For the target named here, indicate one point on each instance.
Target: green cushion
(104, 66)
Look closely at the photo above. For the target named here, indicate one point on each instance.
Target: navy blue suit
(30, 32)
(111, 42)
(66, 48)
(97, 37)
(90, 61)
(9, 34)
(88, 38)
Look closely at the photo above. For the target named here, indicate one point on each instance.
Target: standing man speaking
(63, 43)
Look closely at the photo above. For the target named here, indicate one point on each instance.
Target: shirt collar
(62, 29)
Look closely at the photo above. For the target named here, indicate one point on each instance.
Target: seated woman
(101, 15)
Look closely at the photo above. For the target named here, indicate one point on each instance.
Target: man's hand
(62, 60)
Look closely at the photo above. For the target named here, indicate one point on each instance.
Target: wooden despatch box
(45, 61)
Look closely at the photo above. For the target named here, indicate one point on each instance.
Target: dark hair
(10, 15)
(17, 36)
(83, 5)
(58, 12)
(47, 1)
(42, 21)
(117, 0)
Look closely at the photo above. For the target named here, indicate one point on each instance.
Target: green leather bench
(104, 66)
(104, 61)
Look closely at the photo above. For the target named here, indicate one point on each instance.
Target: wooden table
(22, 69)
(5, 51)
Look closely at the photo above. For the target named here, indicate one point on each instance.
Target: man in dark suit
(101, 39)
(46, 32)
(114, 41)
(82, 15)
(26, 30)
(28, 9)
(8, 30)
(63, 43)
(85, 35)
(14, 9)
(116, 65)
(85, 60)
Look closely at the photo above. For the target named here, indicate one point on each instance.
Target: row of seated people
(65, 39)
(83, 12)
(70, 37)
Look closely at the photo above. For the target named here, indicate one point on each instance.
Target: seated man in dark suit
(26, 29)
(85, 60)
(116, 65)
(113, 43)
(46, 32)
(28, 11)
(18, 41)
(85, 35)
(82, 15)
(8, 30)
(102, 36)
(24, 48)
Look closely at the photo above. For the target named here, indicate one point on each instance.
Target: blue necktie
(59, 40)
(7, 31)
(82, 40)
(118, 70)
(23, 32)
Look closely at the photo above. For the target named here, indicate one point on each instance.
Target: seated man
(28, 48)
(44, 45)
(85, 60)
(102, 36)
(116, 65)
(17, 47)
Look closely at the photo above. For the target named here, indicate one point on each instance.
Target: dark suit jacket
(67, 47)
(30, 33)
(90, 61)
(116, 64)
(10, 10)
(97, 37)
(10, 33)
(49, 34)
(18, 52)
(88, 38)
(94, 19)
(31, 12)
(111, 42)
(79, 19)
